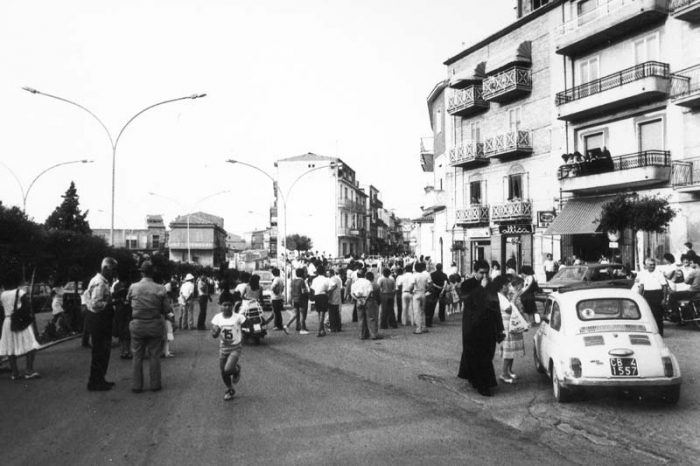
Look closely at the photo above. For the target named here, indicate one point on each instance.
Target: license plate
(257, 327)
(623, 367)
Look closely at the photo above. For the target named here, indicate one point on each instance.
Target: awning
(578, 217)
(469, 76)
(521, 55)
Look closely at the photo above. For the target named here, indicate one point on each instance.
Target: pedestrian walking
(387, 289)
(203, 290)
(18, 340)
(422, 285)
(277, 298)
(514, 343)
(550, 267)
(186, 300)
(150, 304)
(99, 320)
(226, 325)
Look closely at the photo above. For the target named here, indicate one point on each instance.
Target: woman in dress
(514, 344)
(23, 342)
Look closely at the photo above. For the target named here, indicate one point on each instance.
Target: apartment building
(199, 238)
(547, 119)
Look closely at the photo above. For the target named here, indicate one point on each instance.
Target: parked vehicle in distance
(265, 283)
(40, 294)
(574, 274)
(594, 338)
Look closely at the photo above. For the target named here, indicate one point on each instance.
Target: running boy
(226, 325)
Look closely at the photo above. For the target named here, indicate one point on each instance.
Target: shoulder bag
(21, 317)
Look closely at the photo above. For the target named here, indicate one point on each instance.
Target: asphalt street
(309, 400)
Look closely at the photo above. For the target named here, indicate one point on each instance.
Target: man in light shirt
(422, 285)
(407, 283)
(652, 285)
(361, 292)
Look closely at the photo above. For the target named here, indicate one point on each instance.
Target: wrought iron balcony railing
(467, 151)
(467, 100)
(679, 4)
(649, 158)
(685, 83)
(594, 16)
(516, 79)
(513, 210)
(473, 214)
(635, 73)
(685, 173)
(514, 141)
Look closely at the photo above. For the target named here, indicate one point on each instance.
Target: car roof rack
(594, 285)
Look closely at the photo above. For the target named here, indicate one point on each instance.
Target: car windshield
(571, 273)
(608, 273)
(608, 309)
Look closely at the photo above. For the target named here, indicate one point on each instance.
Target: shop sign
(545, 218)
(613, 245)
(478, 232)
(514, 229)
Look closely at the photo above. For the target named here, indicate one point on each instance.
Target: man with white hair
(99, 321)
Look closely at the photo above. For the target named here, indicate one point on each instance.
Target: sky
(282, 78)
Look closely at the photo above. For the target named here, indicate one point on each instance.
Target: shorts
(226, 351)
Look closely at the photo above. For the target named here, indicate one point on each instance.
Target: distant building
(149, 240)
(199, 238)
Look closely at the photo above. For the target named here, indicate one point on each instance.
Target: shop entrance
(479, 251)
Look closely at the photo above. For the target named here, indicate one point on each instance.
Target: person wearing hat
(149, 303)
(187, 303)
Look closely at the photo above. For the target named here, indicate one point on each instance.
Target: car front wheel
(561, 394)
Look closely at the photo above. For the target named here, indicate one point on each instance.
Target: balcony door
(514, 118)
(646, 49)
(651, 135)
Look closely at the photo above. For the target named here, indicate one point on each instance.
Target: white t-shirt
(57, 300)
(230, 329)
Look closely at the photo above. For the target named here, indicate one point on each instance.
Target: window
(475, 192)
(475, 131)
(605, 309)
(647, 49)
(515, 187)
(346, 193)
(155, 241)
(589, 70)
(514, 118)
(593, 141)
(651, 135)
(438, 121)
(345, 249)
(131, 243)
(539, 3)
(555, 320)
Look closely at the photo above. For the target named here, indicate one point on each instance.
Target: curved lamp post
(189, 212)
(112, 141)
(25, 194)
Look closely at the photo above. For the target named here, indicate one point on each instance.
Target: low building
(149, 240)
(199, 238)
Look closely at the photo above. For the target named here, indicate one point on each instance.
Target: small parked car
(265, 283)
(594, 338)
(584, 273)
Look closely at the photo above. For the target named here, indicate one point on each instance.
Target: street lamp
(189, 212)
(282, 235)
(112, 141)
(25, 194)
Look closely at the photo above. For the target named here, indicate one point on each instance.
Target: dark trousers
(146, 334)
(655, 299)
(549, 275)
(277, 306)
(334, 317)
(367, 317)
(300, 309)
(386, 315)
(202, 317)
(86, 328)
(100, 325)
(431, 301)
(399, 305)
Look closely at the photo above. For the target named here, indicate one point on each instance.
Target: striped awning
(578, 217)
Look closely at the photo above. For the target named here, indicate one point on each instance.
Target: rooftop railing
(629, 75)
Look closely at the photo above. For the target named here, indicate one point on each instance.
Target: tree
(21, 243)
(297, 242)
(651, 214)
(67, 216)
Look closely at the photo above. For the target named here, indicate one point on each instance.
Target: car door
(542, 332)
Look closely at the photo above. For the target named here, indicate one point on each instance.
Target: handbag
(517, 323)
(21, 317)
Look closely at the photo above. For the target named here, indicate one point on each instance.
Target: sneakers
(285, 330)
(507, 380)
(228, 396)
(237, 377)
(303, 332)
(33, 375)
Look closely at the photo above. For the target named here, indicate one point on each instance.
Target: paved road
(310, 400)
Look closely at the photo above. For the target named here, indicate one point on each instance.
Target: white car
(593, 337)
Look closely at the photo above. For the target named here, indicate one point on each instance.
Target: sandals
(228, 396)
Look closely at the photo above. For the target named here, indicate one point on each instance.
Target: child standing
(226, 325)
(169, 335)
(447, 291)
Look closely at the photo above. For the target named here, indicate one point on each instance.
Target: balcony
(513, 210)
(473, 215)
(513, 143)
(508, 85)
(468, 153)
(685, 87)
(351, 205)
(435, 199)
(349, 232)
(685, 175)
(634, 86)
(686, 10)
(606, 23)
(626, 171)
(467, 101)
